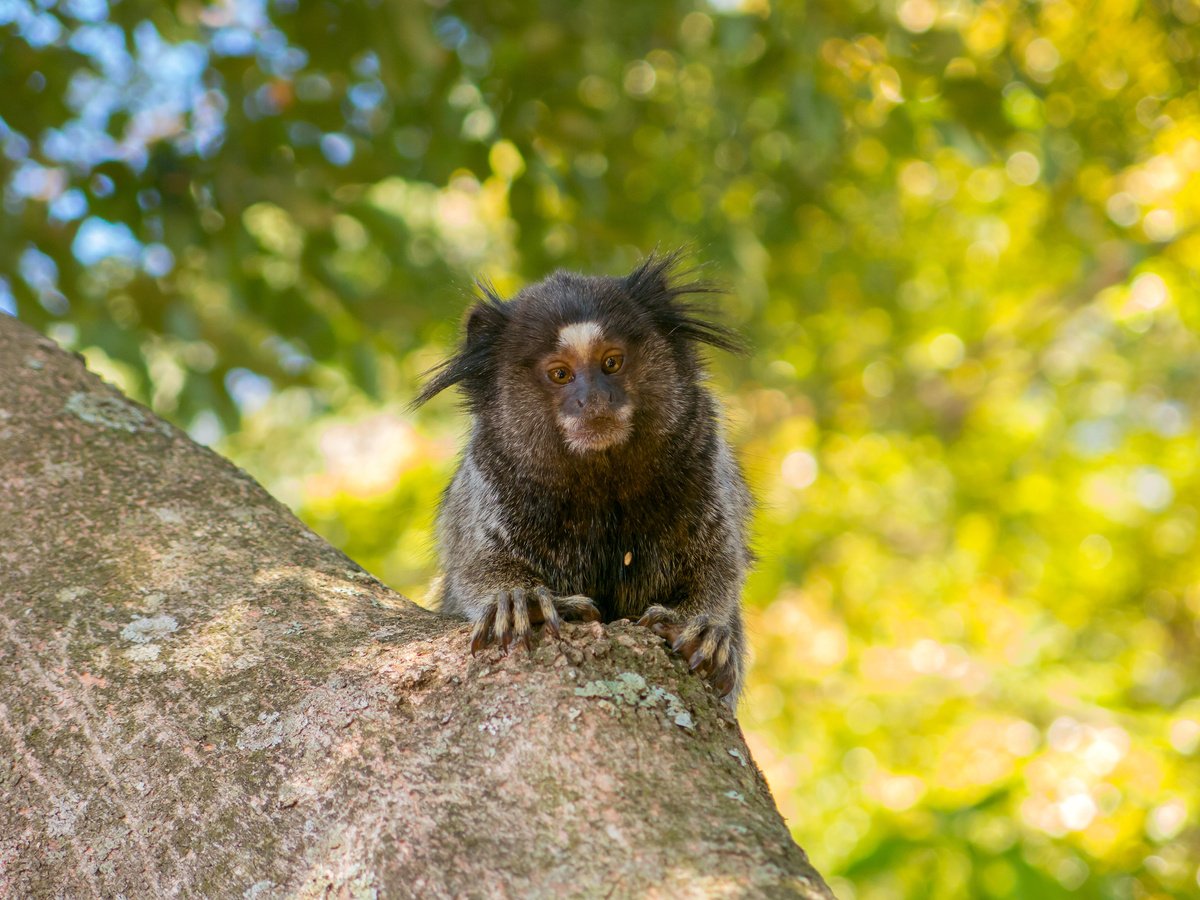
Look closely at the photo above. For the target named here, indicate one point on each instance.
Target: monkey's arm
(485, 581)
(705, 624)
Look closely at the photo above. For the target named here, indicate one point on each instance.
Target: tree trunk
(200, 697)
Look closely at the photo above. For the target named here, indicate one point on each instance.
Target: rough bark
(200, 697)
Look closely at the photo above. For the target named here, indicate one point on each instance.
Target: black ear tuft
(474, 363)
(487, 318)
(667, 293)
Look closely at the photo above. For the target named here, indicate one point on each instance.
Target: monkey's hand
(708, 646)
(508, 616)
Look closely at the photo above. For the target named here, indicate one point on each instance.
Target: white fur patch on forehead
(581, 337)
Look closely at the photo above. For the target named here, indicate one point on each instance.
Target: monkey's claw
(509, 616)
(709, 647)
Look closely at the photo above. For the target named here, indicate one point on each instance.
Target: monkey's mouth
(588, 435)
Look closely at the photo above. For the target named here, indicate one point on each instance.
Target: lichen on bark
(202, 698)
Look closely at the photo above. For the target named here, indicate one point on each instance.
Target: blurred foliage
(961, 235)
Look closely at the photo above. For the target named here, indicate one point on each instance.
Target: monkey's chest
(620, 562)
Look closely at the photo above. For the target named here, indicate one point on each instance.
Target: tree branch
(202, 697)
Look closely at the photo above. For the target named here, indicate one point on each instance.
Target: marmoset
(597, 483)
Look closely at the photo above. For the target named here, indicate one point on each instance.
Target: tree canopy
(960, 237)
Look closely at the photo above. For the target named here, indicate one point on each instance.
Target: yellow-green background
(961, 237)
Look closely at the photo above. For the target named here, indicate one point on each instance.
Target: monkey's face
(584, 377)
(583, 369)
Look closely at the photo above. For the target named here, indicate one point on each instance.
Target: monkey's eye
(613, 363)
(561, 375)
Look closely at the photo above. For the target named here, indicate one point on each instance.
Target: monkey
(597, 483)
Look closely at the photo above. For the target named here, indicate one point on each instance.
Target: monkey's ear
(487, 319)
(668, 293)
(473, 365)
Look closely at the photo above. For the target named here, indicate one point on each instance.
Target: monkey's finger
(578, 607)
(546, 608)
(520, 614)
(700, 662)
(689, 637)
(502, 630)
(668, 631)
(480, 634)
(694, 651)
(654, 615)
(713, 652)
(724, 679)
(722, 650)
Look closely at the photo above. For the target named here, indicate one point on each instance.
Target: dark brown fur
(613, 495)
